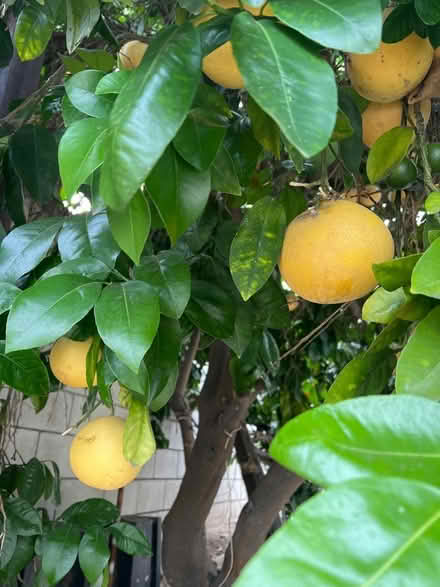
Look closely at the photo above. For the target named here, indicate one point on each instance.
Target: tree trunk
(256, 519)
(221, 412)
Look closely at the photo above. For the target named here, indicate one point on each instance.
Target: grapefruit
(368, 195)
(131, 54)
(67, 360)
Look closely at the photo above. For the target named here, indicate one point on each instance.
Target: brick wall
(155, 488)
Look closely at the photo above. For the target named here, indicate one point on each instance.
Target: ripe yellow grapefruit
(327, 255)
(68, 361)
(220, 64)
(393, 70)
(379, 118)
(131, 54)
(368, 195)
(96, 455)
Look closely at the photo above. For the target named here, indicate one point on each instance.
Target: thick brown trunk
(256, 519)
(221, 412)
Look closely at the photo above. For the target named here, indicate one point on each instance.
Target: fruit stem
(420, 134)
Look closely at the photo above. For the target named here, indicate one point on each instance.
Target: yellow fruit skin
(327, 256)
(368, 196)
(392, 71)
(377, 119)
(220, 65)
(96, 456)
(68, 361)
(131, 54)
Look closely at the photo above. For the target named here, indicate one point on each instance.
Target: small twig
(230, 435)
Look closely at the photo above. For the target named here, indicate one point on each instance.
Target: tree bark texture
(256, 519)
(221, 413)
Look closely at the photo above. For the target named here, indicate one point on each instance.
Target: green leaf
(265, 129)
(428, 11)
(294, 202)
(256, 247)
(113, 83)
(245, 152)
(425, 277)
(59, 551)
(23, 248)
(271, 310)
(13, 191)
(432, 203)
(33, 152)
(82, 16)
(419, 362)
(179, 192)
(8, 293)
(70, 113)
(94, 553)
(395, 273)
(138, 383)
(80, 89)
(401, 515)
(24, 519)
(127, 318)
(34, 29)
(25, 372)
(22, 556)
(91, 512)
(289, 69)
(146, 115)
(243, 329)
(81, 151)
(88, 235)
(48, 309)
(351, 149)
(166, 390)
(89, 267)
(169, 276)
(130, 227)
(393, 436)
(347, 25)
(139, 444)
(97, 59)
(197, 143)
(343, 129)
(31, 481)
(383, 306)
(130, 540)
(92, 358)
(199, 233)
(9, 544)
(223, 174)
(399, 24)
(211, 308)
(388, 151)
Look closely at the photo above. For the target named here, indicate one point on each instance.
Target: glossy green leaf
(31, 481)
(90, 513)
(394, 436)
(35, 25)
(9, 544)
(139, 444)
(396, 273)
(89, 267)
(131, 226)
(24, 247)
(256, 247)
(383, 306)
(22, 556)
(179, 192)
(81, 151)
(284, 83)
(24, 371)
(146, 115)
(33, 152)
(82, 16)
(88, 235)
(80, 89)
(169, 276)
(270, 307)
(223, 174)
(127, 318)
(294, 202)
(59, 551)
(428, 11)
(13, 191)
(399, 24)
(245, 151)
(70, 113)
(432, 203)
(369, 372)
(113, 83)
(425, 277)
(351, 149)
(211, 309)
(130, 540)
(166, 390)
(97, 59)
(24, 519)
(8, 293)
(94, 553)
(210, 107)
(419, 362)
(199, 233)
(402, 516)
(138, 383)
(343, 129)
(48, 309)
(265, 129)
(347, 25)
(197, 143)
(388, 151)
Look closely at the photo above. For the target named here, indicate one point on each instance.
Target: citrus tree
(223, 153)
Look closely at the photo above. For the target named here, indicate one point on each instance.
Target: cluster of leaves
(82, 531)
(409, 16)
